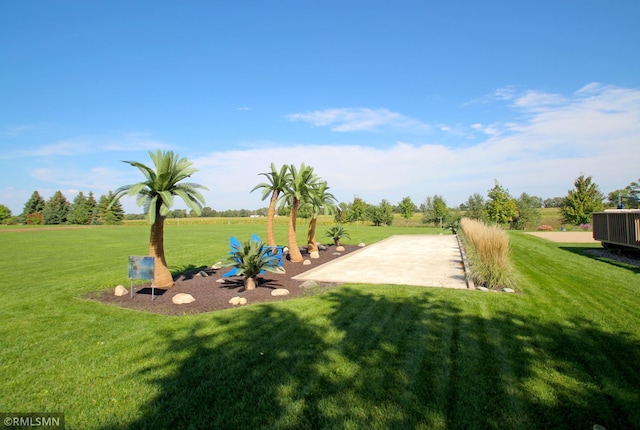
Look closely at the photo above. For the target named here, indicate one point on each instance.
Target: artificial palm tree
(297, 191)
(336, 233)
(277, 183)
(321, 201)
(156, 195)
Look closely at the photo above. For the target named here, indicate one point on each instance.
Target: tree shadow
(584, 251)
(189, 271)
(365, 360)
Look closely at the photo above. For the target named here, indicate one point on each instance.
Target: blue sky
(384, 99)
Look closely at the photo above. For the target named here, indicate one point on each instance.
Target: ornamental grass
(488, 250)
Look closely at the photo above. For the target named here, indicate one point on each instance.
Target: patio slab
(421, 260)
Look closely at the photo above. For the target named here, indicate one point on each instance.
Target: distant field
(552, 217)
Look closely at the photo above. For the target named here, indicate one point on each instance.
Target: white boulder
(238, 301)
(280, 292)
(182, 298)
(120, 291)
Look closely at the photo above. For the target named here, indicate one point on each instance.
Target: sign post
(142, 267)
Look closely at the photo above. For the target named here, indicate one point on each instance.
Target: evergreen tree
(501, 207)
(582, 201)
(56, 209)
(33, 209)
(92, 206)
(109, 211)
(5, 214)
(82, 209)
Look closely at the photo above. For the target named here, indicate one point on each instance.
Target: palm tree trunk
(271, 213)
(294, 251)
(311, 235)
(250, 283)
(162, 275)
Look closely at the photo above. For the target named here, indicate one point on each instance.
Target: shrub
(488, 249)
(336, 233)
(545, 228)
(251, 258)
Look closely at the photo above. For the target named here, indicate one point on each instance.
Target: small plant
(336, 233)
(453, 225)
(251, 258)
(545, 228)
(585, 227)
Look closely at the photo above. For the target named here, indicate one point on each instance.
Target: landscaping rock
(361, 245)
(340, 248)
(337, 253)
(508, 290)
(314, 254)
(120, 291)
(306, 263)
(281, 270)
(182, 298)
(203, 274)
(238, 301)
(321, 247)
(309, 284)
(482, 288)
(280, 292)
(217, 266)
(221, 280)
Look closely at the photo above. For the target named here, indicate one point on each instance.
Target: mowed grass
(564, 354)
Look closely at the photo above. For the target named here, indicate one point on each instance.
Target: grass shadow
(357, 359)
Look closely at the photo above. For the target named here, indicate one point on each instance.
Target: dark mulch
(211, 295)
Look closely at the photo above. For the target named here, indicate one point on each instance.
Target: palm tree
(297, 191)
(277, 183)
(321, 201)
(156, 194)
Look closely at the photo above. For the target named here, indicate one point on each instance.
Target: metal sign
(142, 267)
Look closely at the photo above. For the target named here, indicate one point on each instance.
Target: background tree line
(498, 206)
(84, 210)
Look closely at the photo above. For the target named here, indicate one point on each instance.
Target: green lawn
(564, 354)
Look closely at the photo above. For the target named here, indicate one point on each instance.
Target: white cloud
(594, 131)
(81, 145)
(359, 119)
(556, 138)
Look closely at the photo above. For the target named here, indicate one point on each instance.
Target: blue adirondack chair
(279, 248)
(233, 242)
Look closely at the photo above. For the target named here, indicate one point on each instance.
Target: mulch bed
(211, 295)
